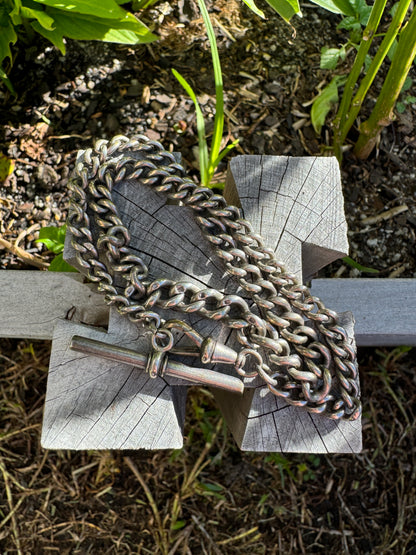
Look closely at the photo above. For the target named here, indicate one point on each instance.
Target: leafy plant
(54, 240)
(288, 8)
(209, 159)
(398, 44)
(101, 20)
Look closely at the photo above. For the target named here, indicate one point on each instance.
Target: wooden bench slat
(31, 302)
(384, 309)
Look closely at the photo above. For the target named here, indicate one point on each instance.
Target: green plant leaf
(407, 84)
(200, 124)
(106, 9)
(56, 36)
(224, 152)
(343, 7)
(44, 19)
(7, 34)
(15, 13)
(58, 264)
(363, 11)
(324, 102)
(351, 262)
(400, 107)
(53, 238)
(350, 23)
(6, 167)
(331, 56)
(210, 486)
(137, 5)
(254, 8)
(178, 525)
(129, 30)
(367, 62)
(285, 8)
(219, 95)
(6, 81)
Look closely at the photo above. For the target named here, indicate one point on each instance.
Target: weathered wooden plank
(296, 204)
(384, 309)
(31, 302)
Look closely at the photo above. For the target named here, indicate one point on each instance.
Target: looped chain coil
(305, 358)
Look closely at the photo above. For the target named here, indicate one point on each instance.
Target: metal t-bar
(172, 368)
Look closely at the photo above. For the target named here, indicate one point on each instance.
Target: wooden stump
(296, 204)
(93, 403)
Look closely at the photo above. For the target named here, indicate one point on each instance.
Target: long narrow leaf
(200, 124)
(251, 4)
(285, 8)
(224, 152)
(219, 98)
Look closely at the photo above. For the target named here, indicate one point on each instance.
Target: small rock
(153, 135)
(111, 123)
(46, 176)
(164, 98)
(372, 243)
(155, 106)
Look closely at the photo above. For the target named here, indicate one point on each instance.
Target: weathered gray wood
(31, 302)
(262, 422)
(296, 204)
(384, 309)
(172, 245)
(92, 403)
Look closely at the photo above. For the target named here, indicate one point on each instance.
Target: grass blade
(219, 98)
(224, 152)
(200, 124)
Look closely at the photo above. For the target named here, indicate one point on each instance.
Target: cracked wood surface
(92, 403)
(296, 204)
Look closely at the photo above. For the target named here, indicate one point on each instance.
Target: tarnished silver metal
(296, 344)
(156, 364)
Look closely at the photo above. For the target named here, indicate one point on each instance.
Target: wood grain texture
(31, 302)
(384, 309)
(296, 204)
(262, 422)
(92, 403)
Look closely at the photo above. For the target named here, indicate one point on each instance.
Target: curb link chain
(307, 358)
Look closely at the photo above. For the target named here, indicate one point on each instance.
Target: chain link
(306, 357)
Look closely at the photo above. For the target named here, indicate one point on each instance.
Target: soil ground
(208, 497)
